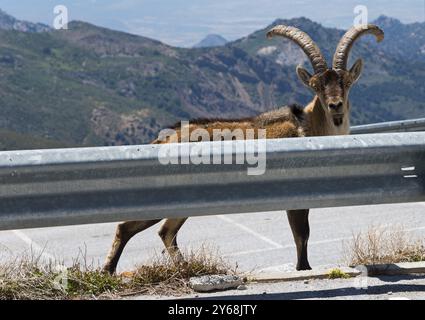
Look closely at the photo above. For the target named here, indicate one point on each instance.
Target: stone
(215, 283)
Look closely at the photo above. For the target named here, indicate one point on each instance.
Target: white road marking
(243, 253)
(288, 246)
(313, 243)
(33, 245)
(415, 229)
(275, 245)
(285, 267)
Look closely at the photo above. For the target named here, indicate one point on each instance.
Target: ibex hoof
(108, 269)
(303, 267)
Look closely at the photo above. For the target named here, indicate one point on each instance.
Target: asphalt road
(253, 241)
(405, 287)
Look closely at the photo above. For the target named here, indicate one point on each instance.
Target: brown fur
(285, 122)
(327, 114)
(279, 123)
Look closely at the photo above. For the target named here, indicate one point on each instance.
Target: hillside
(7, 22)
(403, 41)
(92, 86)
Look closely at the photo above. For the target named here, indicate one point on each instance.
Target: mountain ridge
(211, 40)
(90, 85)
(8, 22)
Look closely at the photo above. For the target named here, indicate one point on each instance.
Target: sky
(186, 22)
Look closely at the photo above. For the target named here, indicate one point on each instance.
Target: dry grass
(380, 245)
(163, 276)
(29, 278)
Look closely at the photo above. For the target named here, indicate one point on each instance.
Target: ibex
(327, 114)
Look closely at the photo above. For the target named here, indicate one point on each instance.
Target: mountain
(90, 86)
(7, 22)
(211, 40)
(403, 41)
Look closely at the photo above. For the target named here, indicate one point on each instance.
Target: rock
(242, 287)
(215, 283)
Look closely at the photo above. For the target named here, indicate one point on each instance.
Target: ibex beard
(327, 114)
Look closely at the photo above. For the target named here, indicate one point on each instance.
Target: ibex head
(331, 86)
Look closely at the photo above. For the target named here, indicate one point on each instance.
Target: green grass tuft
(338, 274)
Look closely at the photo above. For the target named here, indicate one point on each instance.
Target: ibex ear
(304, 75)
(356, 70)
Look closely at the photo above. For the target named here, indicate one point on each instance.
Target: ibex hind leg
(124, 232)
(168, 234)
(298, 220)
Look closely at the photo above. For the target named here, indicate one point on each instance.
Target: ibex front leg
(298, 220)
(125, 231)
(168, 234)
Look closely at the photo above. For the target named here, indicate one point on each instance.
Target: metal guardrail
(46, 188)
(392, 126)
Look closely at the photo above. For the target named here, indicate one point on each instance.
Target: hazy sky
(185, 22)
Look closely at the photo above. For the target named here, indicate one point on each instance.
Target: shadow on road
(391, 286)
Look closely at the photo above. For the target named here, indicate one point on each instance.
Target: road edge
(367, 270)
